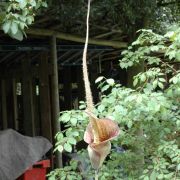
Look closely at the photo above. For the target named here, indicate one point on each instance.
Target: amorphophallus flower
(98, 134)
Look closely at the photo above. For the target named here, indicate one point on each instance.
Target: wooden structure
(29, 84)
(37, 80)
(42, 75)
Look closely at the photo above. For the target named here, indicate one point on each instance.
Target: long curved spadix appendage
(88, 93)
(99, 132)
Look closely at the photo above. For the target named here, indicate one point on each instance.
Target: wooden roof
(11, 55)
(109, 33)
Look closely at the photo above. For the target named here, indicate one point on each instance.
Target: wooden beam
(75, 38)
(73, 57)
(80, 58)
(66, 54)
(97, 55)
(55, 95)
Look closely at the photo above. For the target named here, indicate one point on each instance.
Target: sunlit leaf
(67, 147)
(99, 79)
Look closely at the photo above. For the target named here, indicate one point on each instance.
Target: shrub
(148, 115)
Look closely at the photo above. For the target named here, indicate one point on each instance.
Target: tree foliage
(152, 107)
(125, 15)
(18, 15)
(120, 16)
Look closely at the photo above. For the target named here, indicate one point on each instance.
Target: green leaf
(110, 81)
(22, 3)
(136, 42)
(104, 88)
(175, 80)
(65, 117)
(14, 27)
(60, 136)
(177, 56)
(18, 35)
(154, 48)
(160, 176)
(72, 140)
(63, 177)
(129, 124)
(124, 52)
(153, 175)
(33, 3)
(178, 167)
(160, 85)
(99, 79)
(155, 83)
(22, 25)
(143, 77)
(73, 121)
(146, 178)
(171, 54)
(101, 108)
(74, 164)
(135, 82)
(162, 80)
(75, 133)
(52, 177)
(169, 34)
(60, 148)
(68, 147)
(6, 26)
(130, 63)
(82, 106)
(44, 4)
(29, 20)
(69, 177)
(145, 171)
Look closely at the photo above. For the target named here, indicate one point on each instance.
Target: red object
(36, 172)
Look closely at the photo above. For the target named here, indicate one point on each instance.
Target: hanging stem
(96, 175)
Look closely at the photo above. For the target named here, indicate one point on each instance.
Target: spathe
(98, 134)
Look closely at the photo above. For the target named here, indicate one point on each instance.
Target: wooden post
(4, 104)
(45, 109)
(28, 111)
(55, 95)
(15, 103)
